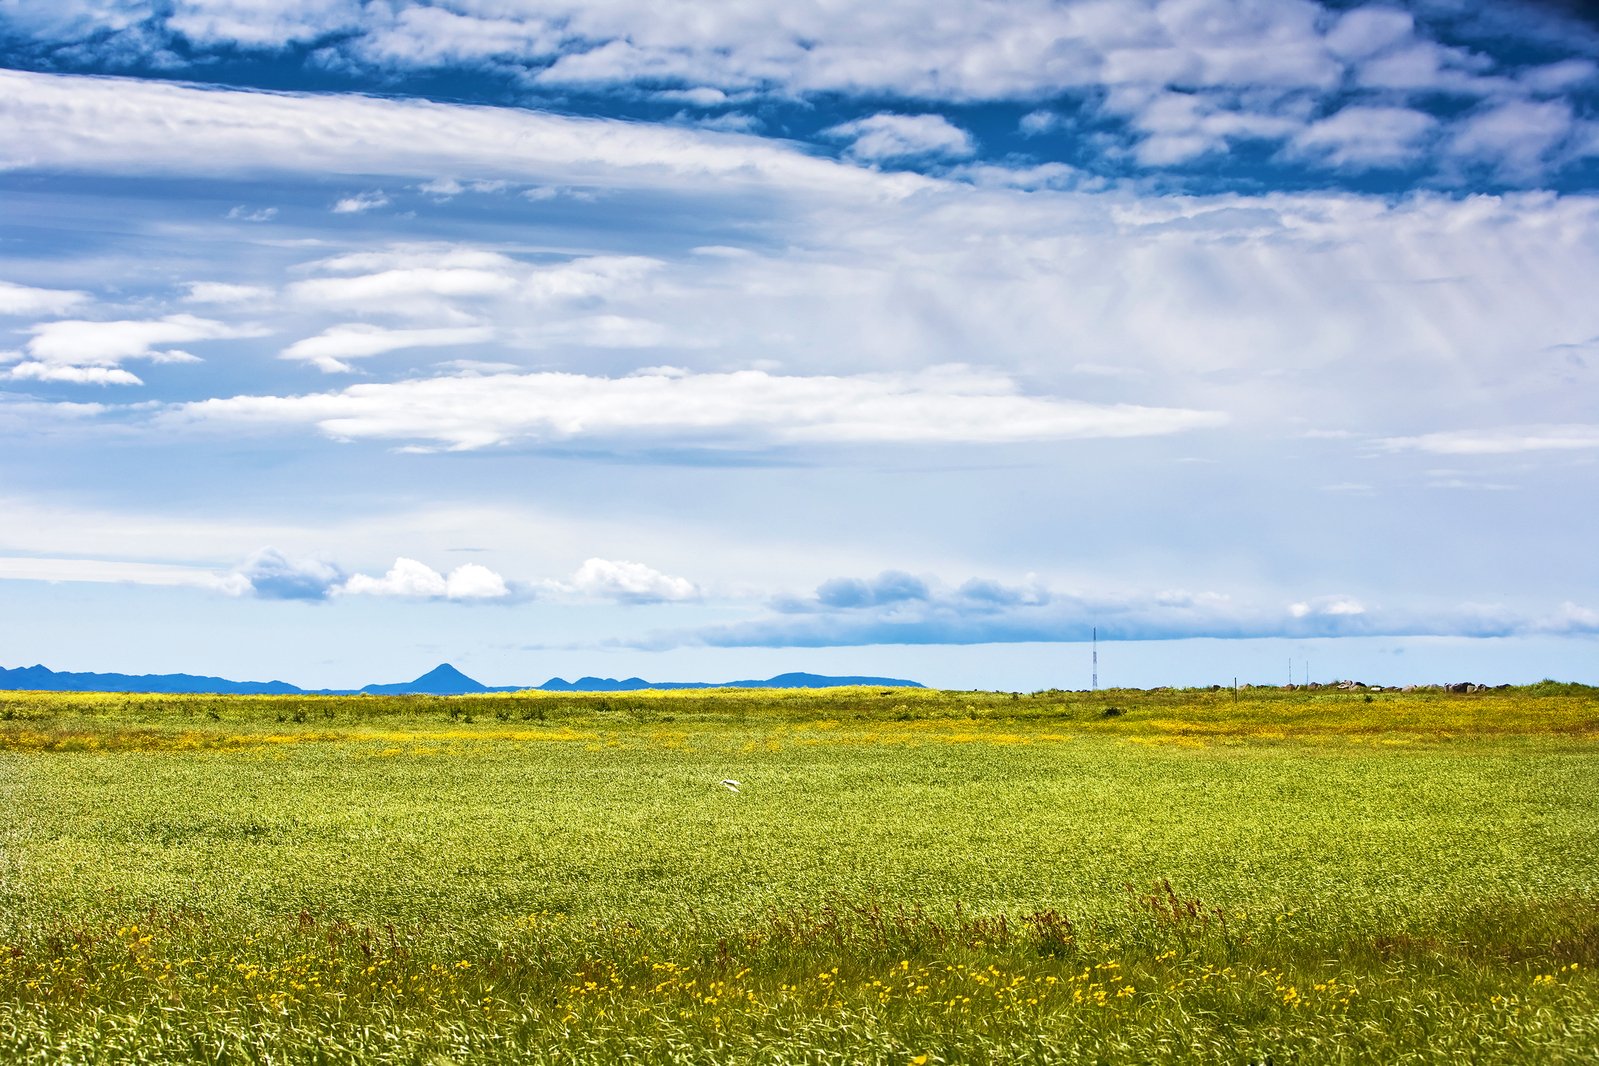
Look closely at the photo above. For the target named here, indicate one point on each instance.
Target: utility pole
(1096, 658)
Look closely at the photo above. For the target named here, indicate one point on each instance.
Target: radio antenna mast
(1096, 658)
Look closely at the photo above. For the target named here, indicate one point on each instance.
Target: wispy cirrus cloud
(1501, 441)
(132, 126)
(667, 406)
(331, 350)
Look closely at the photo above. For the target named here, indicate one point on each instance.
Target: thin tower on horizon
(1094, 686)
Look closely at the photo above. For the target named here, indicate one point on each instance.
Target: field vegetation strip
(899, 877)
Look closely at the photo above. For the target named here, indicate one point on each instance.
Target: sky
(339, 338)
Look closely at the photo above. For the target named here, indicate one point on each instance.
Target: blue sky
(686, 341)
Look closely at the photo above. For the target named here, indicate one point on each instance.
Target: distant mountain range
(442, 680)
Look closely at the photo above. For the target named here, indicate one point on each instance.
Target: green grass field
(904, 877)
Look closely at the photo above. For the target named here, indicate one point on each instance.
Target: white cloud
(428, 36)
(1499, 441)
(1179, 127)
(19, 415)
(245, 214)
(412, 579)
(701, 96)
(361, 203)
(629, 582)
(1361, 137)
(74, 375)
(1028, 51)
(409, 281)
(600, 331)
(741, 409)
(457, 282)
(26, 300)
(1328, 606)
(884, 137)
(252, 23)
(443, 188)
(1037, 123)
(414, 257)
(449, 188)
(1516, 137)
(473, 582)
(90, 352)
(330, 349)
(218, 292)
(1365, 31)
(118, 572)
(1562, 76)
(1030, 178)
(1422, 66)
(63, 122)
(588, 276)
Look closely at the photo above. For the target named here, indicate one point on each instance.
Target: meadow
(902, 876)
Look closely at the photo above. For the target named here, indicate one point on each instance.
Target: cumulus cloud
(274, 575)
(1019, 49)
(891, 586)
(983, 611)
(1180, 127)
(251, 24)
(1239, 61)
(1037, 123)
(628, 582)
(1366, 31)
(1362, 137)
(412, 579)
(360, 203)
(26, 300)
(408, 35)
(884, 137)
(749, 408)
(330, 350)
(1517, 137)
(88, 352)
